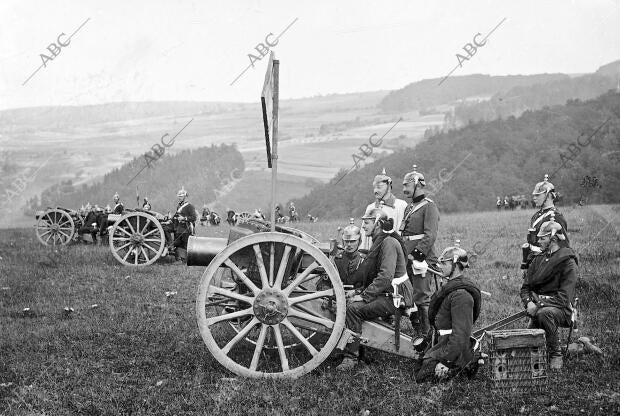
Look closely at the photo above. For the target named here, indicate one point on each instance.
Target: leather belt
(413, 237)
(443, 332)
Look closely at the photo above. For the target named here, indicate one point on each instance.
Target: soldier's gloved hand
(531, 308)
(356, 298)
(418, 255)
(441, 370)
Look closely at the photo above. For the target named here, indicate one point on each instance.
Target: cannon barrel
(201, 250)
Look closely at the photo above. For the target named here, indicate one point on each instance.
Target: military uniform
(88, 227)
(118, 208)
(184, 229)
(419, 232)
(394, 208)
(347, 264)
(453, 311)
(550, 283)
(385, 261)
(540, 217)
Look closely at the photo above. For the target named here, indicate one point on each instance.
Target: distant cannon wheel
(137, 239)
(55, 227)
(271, 295)
(244, 217)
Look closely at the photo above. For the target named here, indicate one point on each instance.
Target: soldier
(498, 204)
(118, 205)
(506, 203)
(230, 217)
(543, 196)
(549, 286)
(385, 262)
(348, 261)
(90, 225)
(384, 199)
(205, 216)
(184, 223)
(146, 205)
(419, 232)
(453, 311)
(293, 212)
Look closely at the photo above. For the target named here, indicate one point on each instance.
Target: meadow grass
(139, 352)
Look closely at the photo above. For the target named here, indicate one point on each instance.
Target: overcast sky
(192, 50)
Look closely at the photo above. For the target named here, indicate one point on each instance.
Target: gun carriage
(59, 226)
(137, 237)
(271, 304)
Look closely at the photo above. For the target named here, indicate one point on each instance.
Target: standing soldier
(543, 196)
(419, 232)
(118, 205)
(185, 222)
(349, 261)
(293, 213)
(384, 199)
(506, 202)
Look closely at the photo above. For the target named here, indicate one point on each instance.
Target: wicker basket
(518, 360)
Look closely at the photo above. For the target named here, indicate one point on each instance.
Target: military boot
(425, 326)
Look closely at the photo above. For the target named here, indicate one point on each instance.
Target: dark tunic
(455, 307)
(552, 276)
(347, 264)
(421, 218)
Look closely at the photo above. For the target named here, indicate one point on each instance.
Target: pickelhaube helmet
(415, 177)
(108, 209)
(182, 192)
(544, 187)
(455, 254)
(351, 231)
(551, 228)
(381, 217)
(382, 177)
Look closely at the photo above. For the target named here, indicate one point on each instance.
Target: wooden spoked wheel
(224, 278)
(244, 217)
(55, 227)
(272, 293)
(137, 239)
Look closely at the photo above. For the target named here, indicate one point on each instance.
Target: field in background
(139, 352)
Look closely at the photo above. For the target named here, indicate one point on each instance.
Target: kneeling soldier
(452, 313)
(549, 287)
(385, 261)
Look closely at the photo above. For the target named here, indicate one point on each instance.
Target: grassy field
(139, 352)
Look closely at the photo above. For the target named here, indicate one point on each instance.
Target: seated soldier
(90, 225)
(452, 313)
(348, 261)
(549, 287)
(385, 262)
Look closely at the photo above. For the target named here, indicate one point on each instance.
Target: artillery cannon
(58, 226)
(271, 304)
(137, 237)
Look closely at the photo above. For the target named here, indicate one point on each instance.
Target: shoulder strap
(414, 209)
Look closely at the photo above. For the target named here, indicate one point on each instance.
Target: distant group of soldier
(513, 202)
(386, 266)
(177, 228)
